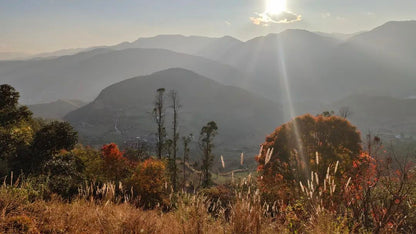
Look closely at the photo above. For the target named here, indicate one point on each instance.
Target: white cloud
(265, 19)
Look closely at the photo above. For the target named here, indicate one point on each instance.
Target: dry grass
(82, 216)
(23, 212)
(19, 215)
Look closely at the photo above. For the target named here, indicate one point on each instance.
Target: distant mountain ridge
(293, 56)
(383, 115)
(194, 45)
(55, 110)
(84, 75)
(306, 66)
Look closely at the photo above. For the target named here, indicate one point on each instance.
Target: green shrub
(63, 174)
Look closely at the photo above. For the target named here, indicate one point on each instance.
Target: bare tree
(159, 118)
(186, 140)
(175, 105)
(345, 112)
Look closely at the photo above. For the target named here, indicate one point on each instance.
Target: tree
(63, 173)
(327, 113)
(92, 161)
(16, 127)
(148, 181)
(206, 144)
(345, 112)
(159, 118)
(27, 144)
(115, 166)
(10, 112)
(175, 107)
(186, 140)
(50, 140)
(299, 143)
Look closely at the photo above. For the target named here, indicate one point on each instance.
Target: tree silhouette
(16, 128)
(49, 140)
(159, 118)
(175, 105)
(186, 140)
(10, 112)
(206, 144)
(345, 112)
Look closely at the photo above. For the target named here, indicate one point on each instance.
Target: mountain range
(84, 75)
(296, 71)
(313, 66)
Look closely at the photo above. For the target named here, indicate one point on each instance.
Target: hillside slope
(123, 111)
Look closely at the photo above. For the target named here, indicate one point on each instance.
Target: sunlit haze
(34, 26)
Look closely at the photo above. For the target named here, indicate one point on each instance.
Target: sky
(34, 26)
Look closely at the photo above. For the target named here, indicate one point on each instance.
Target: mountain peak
(399, 23)
(175, 71)
(202, 100)
(391, 29)
(295, 31)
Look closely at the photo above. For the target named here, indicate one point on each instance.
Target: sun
(275, 7)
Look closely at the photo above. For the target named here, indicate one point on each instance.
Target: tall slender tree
(186, 140)
(159, 118)
(175, 105)
(206, 144)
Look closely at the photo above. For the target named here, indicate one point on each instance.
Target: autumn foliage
(149, 181)
(319, 162)
(115, 165)
(296, 145)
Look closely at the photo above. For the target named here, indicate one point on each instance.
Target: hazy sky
(46, 25)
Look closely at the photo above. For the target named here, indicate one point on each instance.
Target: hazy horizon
(32, 27)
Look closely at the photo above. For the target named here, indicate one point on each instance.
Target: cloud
(265, 19)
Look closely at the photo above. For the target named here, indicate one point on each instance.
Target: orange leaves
(111, 152)
(152, 173)
(149, 180)
(364, 171)
(297, 142)
(115, 165)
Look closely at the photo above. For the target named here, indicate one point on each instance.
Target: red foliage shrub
(115, 165)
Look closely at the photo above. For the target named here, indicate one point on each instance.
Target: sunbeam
(284, 80)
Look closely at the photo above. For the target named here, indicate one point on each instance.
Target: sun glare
(275, 6)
